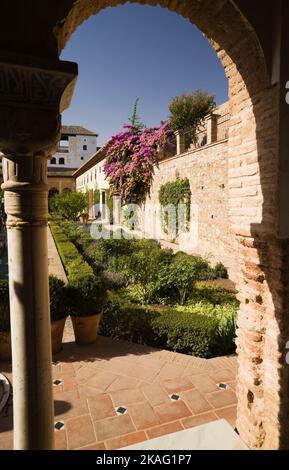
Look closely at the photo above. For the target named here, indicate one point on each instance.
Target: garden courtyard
(157, 392)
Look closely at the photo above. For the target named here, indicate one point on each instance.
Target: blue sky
(135, 51)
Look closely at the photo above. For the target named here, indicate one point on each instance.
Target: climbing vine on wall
(176, 194)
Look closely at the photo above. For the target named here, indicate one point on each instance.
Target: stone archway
(251, 144)
(253, 165)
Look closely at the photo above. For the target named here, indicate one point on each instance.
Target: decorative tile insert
(223, 386)
(59, 425)
(175, 397)
(57, 382)
(121, 410)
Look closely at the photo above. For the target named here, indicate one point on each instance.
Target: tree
(135, 119)
(188, 110)
(69, 205)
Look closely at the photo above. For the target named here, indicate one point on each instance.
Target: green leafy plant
(58, 300)
(69, 205)
(134, 118)
(173, 194)
(86, 295)
(182, 275)
(188, 110)
(73, 262)
(200, 331)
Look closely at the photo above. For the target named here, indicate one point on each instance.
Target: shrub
(69, 205)
(73, 262)
(86, 295)
(4, 306)
(182, 274)
(113, 280)
(180, 331)
(58, 301)
(186, 333)
(220, 272)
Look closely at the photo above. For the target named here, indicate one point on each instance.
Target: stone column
(211, 125)
(32, 95)
(181, 148)
(26, 207)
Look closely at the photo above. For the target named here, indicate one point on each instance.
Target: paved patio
(156, 392)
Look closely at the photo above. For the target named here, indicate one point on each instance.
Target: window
(99, 169)
(84, 147)
(53, 161)
(81, 158)
(61, 161)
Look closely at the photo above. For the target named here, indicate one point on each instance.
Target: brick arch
(229, 33)
(252, 169)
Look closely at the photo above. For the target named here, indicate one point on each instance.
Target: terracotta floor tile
(60, 441)
(95, 446)
(222, 398)
(65, 410)
(222, 375)
(113, 427)
(172, 412)
(196, 401)
(101, 380)
(143, 415)
(85, 373)
(122, 383)
(68, 382)
(79, 431)
(232, 384)
(142, 373)
(203, 383)
(171, 371)
(126, 397)
(177, 385)
(124, 441)
(101, 407)
(198, 420)
(67, 368)
(229, 414)
(164, 429)
(85, 391)
(69, 396)
(6, 441)
(155, 394)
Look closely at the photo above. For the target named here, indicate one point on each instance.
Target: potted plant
(5, 337)
(58, 312)
(87, 296)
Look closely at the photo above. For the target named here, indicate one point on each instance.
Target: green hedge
(185, 332)
(72, 260)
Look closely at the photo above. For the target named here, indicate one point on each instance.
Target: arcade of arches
(252, 42)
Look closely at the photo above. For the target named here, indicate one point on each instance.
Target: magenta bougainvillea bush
(131, 157)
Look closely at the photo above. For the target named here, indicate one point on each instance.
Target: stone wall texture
(210, 231)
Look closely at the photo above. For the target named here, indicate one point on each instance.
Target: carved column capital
(25, 185)
(33, 93)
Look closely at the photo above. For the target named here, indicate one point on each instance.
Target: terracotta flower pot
(5, 345)
(57, 328)
(86, 328)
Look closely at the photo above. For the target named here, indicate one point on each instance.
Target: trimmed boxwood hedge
(72, 260)
(160, 327)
